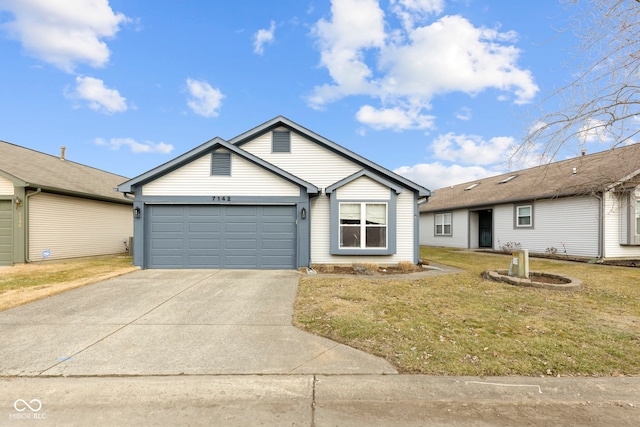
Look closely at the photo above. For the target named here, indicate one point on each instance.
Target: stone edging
(571, 283)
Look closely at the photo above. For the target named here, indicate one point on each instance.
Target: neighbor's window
(443, 224)
(363, 225)
(524, 216)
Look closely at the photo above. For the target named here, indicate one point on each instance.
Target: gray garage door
(6, 232)
(198, 236)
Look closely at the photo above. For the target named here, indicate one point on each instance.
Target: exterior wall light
(18, 201)
(136, 212)
(303, 213)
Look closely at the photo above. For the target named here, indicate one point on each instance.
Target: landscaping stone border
(569, 283)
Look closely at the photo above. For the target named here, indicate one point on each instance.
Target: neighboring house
(275, 197)
(585, 206)
(57, 208)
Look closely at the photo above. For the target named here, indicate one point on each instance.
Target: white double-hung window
(363, 225)
(524, 216)
(443, 224)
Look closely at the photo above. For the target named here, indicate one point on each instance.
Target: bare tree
(602, 101)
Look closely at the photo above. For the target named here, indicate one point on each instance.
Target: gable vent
(221, 163)
(281, 141)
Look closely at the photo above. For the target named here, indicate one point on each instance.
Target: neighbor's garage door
(198, 236)
(6, 232)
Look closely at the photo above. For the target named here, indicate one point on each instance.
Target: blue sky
(437, 90)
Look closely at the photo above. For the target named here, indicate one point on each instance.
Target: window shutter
(281, 141)
(221, 163)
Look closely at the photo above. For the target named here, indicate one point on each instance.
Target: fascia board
(330, 189)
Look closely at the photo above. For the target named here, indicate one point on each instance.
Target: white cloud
(437, 175)
(99, 97)
(64, 33)
(406, 68)
(263, 37)
(204, 100)
(412, 11)
(134, 146)
(472, 149)
(464, 114)
(394, 118)
(356, 25)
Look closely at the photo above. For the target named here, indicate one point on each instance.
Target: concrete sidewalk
(173, 322)
(309, 400)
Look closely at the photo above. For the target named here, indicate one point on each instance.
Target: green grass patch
(460, 324)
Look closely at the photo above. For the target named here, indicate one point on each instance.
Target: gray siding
(569, 223)
(459, 230)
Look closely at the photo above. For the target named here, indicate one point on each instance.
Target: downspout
(600, 224)
(26, 223)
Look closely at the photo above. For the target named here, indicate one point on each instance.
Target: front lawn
(460, 324)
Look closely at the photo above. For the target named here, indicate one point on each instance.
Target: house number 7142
(221, 198)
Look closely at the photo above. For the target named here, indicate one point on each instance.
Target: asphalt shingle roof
(50, 172)
(593, 172)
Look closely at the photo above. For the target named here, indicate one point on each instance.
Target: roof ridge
(58, 157)
(547, 164)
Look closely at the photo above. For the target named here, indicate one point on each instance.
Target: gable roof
(30, 168)
(368, 164)
(205, 148)
(593, 173)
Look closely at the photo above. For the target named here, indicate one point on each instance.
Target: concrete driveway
(173, 322)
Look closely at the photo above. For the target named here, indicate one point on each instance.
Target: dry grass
(408, 267)
(24, 283)
(463, 325)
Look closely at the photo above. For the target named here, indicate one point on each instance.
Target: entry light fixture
(303, 213)
(136, 212)
(18, 201)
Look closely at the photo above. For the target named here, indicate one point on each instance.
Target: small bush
(408, 267)
(510, 247)
(365, 268)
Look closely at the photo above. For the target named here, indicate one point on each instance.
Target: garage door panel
(167, 261)
(171, 244)
(241, 244)
(277, 244)
(204, 227)
(241, 227)
(204, 244)
(240, 261)
(203, 261)
(166, 227)
(278, 228)
(213, 236)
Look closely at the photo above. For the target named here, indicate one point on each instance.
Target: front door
(485, 220)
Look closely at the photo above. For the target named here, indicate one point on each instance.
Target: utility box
(520, 264)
